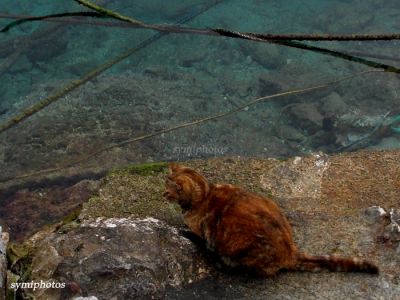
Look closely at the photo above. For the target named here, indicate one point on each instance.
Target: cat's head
(185, 186)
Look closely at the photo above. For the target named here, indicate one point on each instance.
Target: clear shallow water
(180, 78)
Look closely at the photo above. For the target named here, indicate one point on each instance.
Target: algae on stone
(144, 169)
(134, 191)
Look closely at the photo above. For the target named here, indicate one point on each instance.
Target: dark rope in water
(306, 37)
(237, 34)
(41, 18)
(102, 12)
(342, 55)
(286, 40)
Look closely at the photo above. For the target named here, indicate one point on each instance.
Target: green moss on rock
(70, 222)
(16, 252)
(134, 191)
(19, 260)
(144, 169)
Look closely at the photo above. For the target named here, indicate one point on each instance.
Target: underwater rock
(58, 201)
(290, 133)
(81, 67)
(235, 85)
(268, 55)
(22, 65)
(188, 59)
(391, 142)
(333, 105)
(268, 86)
(115, 258)
(50, 47)
(3, 110)
(306, 116)
(356, 129)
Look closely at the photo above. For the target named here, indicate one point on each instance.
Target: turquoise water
(179, 78)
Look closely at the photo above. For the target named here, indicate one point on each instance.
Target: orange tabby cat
(246, 229)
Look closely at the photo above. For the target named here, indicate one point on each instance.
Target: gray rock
(4, 238)
(290, 133)
(387, 143)
(333, 105)
(306, 116)
(395, 215)
(116, 258)
(268, 55)
(392, 231)
(267, 85)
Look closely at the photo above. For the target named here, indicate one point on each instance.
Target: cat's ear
(174, 167)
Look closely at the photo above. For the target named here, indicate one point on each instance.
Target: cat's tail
(314, 263)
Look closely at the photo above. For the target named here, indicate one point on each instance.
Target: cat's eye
(170, 182)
